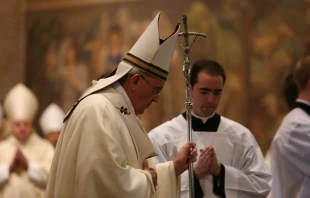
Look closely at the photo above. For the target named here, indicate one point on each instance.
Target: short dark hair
(301, 73)
(290, 91)
(208, 66)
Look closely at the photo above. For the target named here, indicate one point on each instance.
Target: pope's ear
(134, 81)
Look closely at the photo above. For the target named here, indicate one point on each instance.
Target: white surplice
(246, 174)
(290, 156)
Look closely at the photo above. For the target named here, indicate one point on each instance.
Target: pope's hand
(187, 154)
(153, 173)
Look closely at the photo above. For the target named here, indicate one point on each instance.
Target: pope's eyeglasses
(156, 90)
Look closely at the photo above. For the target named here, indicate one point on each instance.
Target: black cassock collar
(303, 106)
(211, 125)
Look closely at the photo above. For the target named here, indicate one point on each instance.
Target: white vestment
(30, 184)
(290, 156)
(100, 153)
(246, 174)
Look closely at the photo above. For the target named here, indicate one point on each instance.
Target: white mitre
(20, 103)
(51, 119)
(150, 54)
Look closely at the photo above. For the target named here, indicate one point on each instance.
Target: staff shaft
(188, 103)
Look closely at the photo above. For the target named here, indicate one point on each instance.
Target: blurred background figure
(73, 73)
(290, 91)
(290, 94)
(4, 128)
(115, 49)
(51, 122)
(51, 78)
(290, 148)
(25, 158)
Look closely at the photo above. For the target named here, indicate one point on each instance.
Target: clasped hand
(207, 163)
(19, 162)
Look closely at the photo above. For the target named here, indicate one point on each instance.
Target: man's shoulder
(297, 116)
(229, 124)
(46, 144)
(94, 98)
(295, 122)
(36, 139)
(90, 103)
(5, 142)
(93, 103)
(170, 126)
(237, 133)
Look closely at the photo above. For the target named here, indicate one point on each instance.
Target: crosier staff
(188, 103)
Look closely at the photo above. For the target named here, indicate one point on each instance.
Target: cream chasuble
(100, 153)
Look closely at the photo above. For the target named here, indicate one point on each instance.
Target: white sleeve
(297, 146)
(34, 172)
(4, 173)
(292, 145)
(252, 178)
(38, 171)
(156, 139)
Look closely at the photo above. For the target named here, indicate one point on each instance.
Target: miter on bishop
(20, 103)
(51, 119)
(149, 54)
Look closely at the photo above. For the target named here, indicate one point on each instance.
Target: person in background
(4, 125)
(290, 148)
(230, 162)
(116, 48)
(51, 122)
(103, 150)
(73, 74)
(51, 80)
(25, 158)
(290, 93)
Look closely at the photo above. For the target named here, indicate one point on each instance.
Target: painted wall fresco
(257, 42)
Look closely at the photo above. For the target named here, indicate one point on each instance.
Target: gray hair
(132, 72)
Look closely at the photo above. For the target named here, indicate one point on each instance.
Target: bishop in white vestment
(51, 122)
(25, 158)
